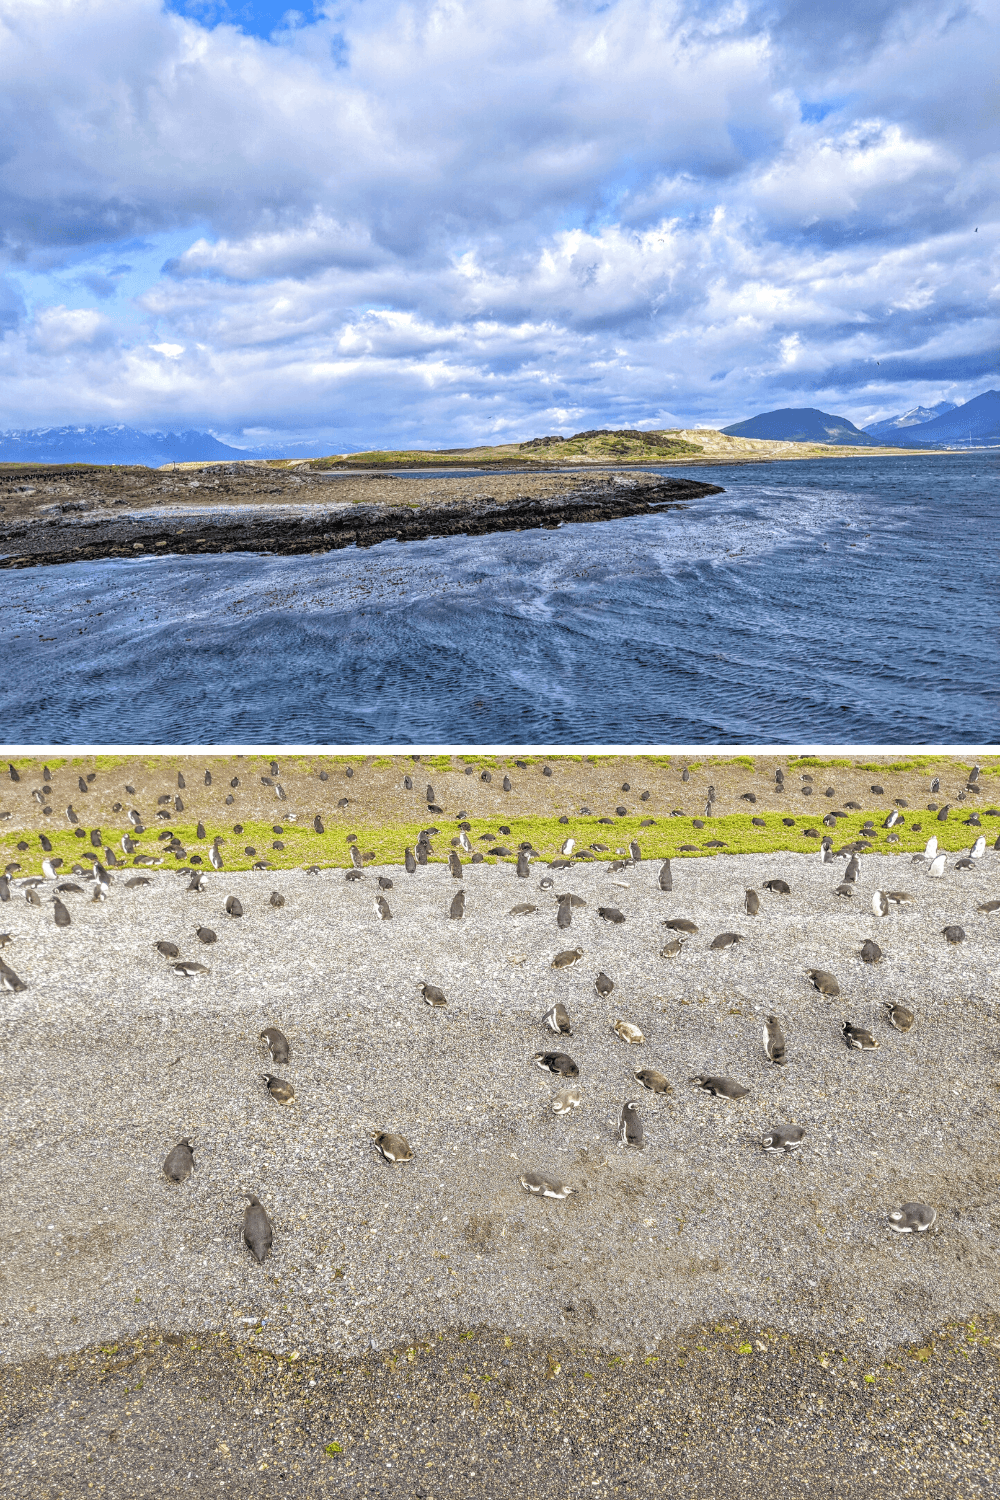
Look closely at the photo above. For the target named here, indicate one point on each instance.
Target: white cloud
(496, 216)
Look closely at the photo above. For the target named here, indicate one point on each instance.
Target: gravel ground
(112, 1059)
(725, 1411)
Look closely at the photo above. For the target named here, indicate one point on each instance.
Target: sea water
(834, 600)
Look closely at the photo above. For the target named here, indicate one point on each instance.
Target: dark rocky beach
(55, 515)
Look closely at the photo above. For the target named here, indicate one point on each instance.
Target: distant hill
(974, 425)
(113, 445)
(917, 416)
(802, 424)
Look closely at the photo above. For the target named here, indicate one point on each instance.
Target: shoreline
(297, 527)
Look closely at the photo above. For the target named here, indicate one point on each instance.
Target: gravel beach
(730, 1271)
(113, 1058)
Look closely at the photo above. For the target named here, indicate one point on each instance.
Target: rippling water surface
(834, 600)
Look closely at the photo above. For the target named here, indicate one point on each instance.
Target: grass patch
(303, 847)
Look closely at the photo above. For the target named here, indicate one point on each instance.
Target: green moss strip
(674, 838)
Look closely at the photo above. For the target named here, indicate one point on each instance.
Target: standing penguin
(523, 870)
(457, 909)
(630, 1125)
(409, 862)
(774, 1041)
(666, 879)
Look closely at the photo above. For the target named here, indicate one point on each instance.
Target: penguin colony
(392, 1147)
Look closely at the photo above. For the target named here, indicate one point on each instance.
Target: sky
(435, 223)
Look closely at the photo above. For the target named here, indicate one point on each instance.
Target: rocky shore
(74, 516)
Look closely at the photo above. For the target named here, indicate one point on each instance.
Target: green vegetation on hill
(604, 446)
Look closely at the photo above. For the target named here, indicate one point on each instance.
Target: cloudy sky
(437, 222)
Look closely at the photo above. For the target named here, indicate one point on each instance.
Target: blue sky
(435, 223)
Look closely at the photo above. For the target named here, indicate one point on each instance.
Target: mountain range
(114, 445)
(974, 425)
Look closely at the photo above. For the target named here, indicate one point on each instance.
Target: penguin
(898, 1016)
(572, 900)
(778, 887)
(725, 940)
(32, 896)
(603, 985)
(871, 953)
(564, 914)
(893, 818)
(463, 839)
(523, 870)
(635, 853)
(258, 1232)
(979, 848)
(130, 885)
(559, 1063)
(898, 898)
(665, 878)
(844, 890)
(630, 1130)
(611, 914)
(433, 995)
(936, 784)
(680, 924)
(129, 846)
(652, 1080)
(233, 906)
(880, 903)
(277, 1044)
(455, 866)
(626, 1032)
(409, 863)
(188, 970)
(393, 1148)
(356, 859)
(937, 866)
(568, 846)
(858, 1038)
(205, 935)
(277, 899)
(546, 883)
(566, 1101)
(954, 933)
(545, 1187)
(989, 907)
(720, 1088)
(942, 816)
(457, 909)
(751, 903)
(524, 909)
(280, 1090)
(4, 887)
(9, 980)
(61, 914)
(557, 1019)
(566, 958)
(180, 1162)
(199, 881)
(853, 869)
(48, 870)
(169, 950)
(671, 949)
(913, 1218)
(783, 1138)
(382, 909)
(214, 857)
(965, 864)
(930, 848)
(774, 1041)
